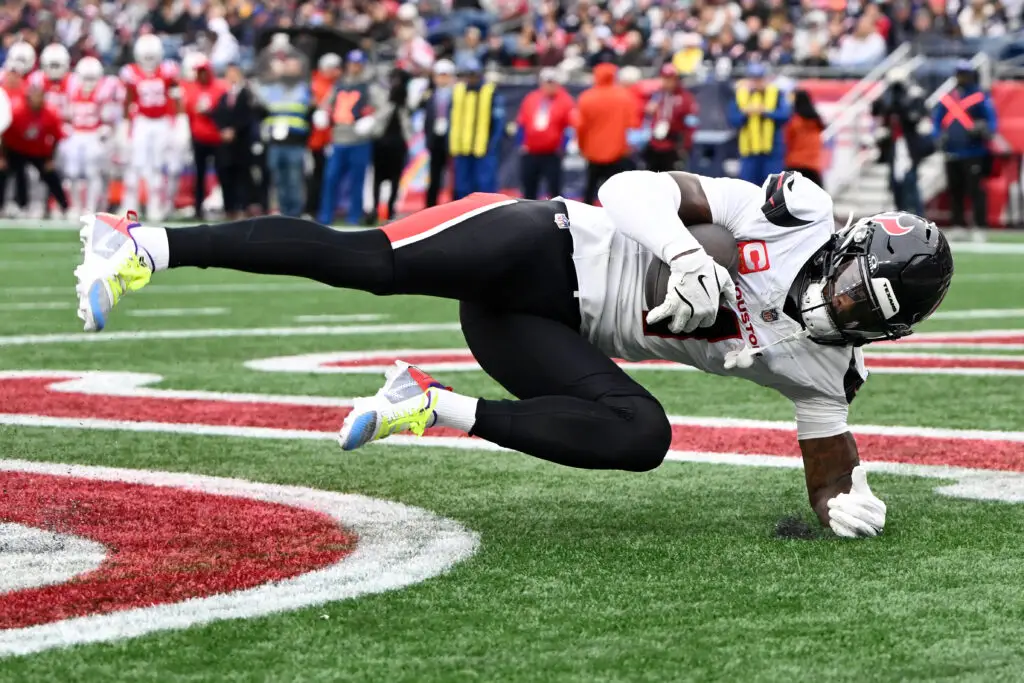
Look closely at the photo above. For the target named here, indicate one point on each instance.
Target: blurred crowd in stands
(573, 34)
(300, 130)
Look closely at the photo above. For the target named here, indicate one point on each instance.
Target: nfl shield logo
(562, 221)
(770, 315)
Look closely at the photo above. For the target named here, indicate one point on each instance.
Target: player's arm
(127, 82)
(652, 209)
(828, 464)
(836, 482)
(655, 208)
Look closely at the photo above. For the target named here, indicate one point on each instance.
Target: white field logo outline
(398, 545)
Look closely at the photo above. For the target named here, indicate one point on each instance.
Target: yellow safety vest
(470, 120)
(758, 135)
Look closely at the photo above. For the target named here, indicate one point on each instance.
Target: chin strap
(744, 358)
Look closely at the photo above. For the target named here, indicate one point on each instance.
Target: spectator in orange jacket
(31, 139)
(328, 71)
(802, 136)
(200, 100)
(604, 114)
(543, 118)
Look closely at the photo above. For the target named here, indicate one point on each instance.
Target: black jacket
(902, 106)
(433, 140)
(239, 114)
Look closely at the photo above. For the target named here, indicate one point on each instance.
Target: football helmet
(148, 52)
(55, 61)
(89, 71)
(190, 64)
(876, 279)
(21, 58)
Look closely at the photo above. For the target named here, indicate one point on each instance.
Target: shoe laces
(408, 416)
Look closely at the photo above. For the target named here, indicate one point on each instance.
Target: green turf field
(673, 575)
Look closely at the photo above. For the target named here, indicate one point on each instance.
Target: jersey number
(726, 326)
(151, 93)
(85, 115)
(344, 104)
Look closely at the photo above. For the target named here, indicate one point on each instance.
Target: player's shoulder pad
(127, 73)
(170, 69)
(36, 78)
(793, 201)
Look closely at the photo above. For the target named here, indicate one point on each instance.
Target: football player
(20, 61)
(151, 104)
(551, 291)
(53, 75)
(52, 78)
(18, 64)
(91, 98)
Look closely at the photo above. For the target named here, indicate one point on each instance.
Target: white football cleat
(406, 403)
(112, 265)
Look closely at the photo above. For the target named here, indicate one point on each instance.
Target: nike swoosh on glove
(857, 513)
(696, 287)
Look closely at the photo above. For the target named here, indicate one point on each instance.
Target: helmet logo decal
(891, 224)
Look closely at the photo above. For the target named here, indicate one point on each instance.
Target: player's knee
(647, 434)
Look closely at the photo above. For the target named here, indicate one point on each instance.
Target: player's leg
(576, 407)
(329, 190)
(462, 167)
(19, 170)
(74, 171)
(976, 190)
(475, 248)
(50, 178)
(358, 161)
(200, 156)
(175, 154)
(484, 248)
(956, 181)
(529, 174)
(93, 172)
(138, 151)
(151, 166)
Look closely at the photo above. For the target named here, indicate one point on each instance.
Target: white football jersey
(774, 241)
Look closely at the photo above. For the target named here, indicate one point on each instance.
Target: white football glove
(859, 512)
(363, 126)
(696, 287)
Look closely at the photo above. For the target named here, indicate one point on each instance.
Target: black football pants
(510, 267)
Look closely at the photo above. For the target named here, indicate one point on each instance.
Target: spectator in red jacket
(200, 100)
(543, 117)
(672, 115)
(31, 139)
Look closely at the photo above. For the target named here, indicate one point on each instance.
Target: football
(717, 241)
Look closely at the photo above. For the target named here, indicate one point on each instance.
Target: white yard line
(224, 288)
(341, 318)
(978, 314)
(988, 277)
(225, 333)
(37, 224)
(71, 246)
(993, 248)
(175, 312)
(39, 306)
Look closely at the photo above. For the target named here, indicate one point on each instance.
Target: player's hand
(696, 287)
(857, 513)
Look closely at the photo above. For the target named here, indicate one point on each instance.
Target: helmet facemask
(845, 305)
